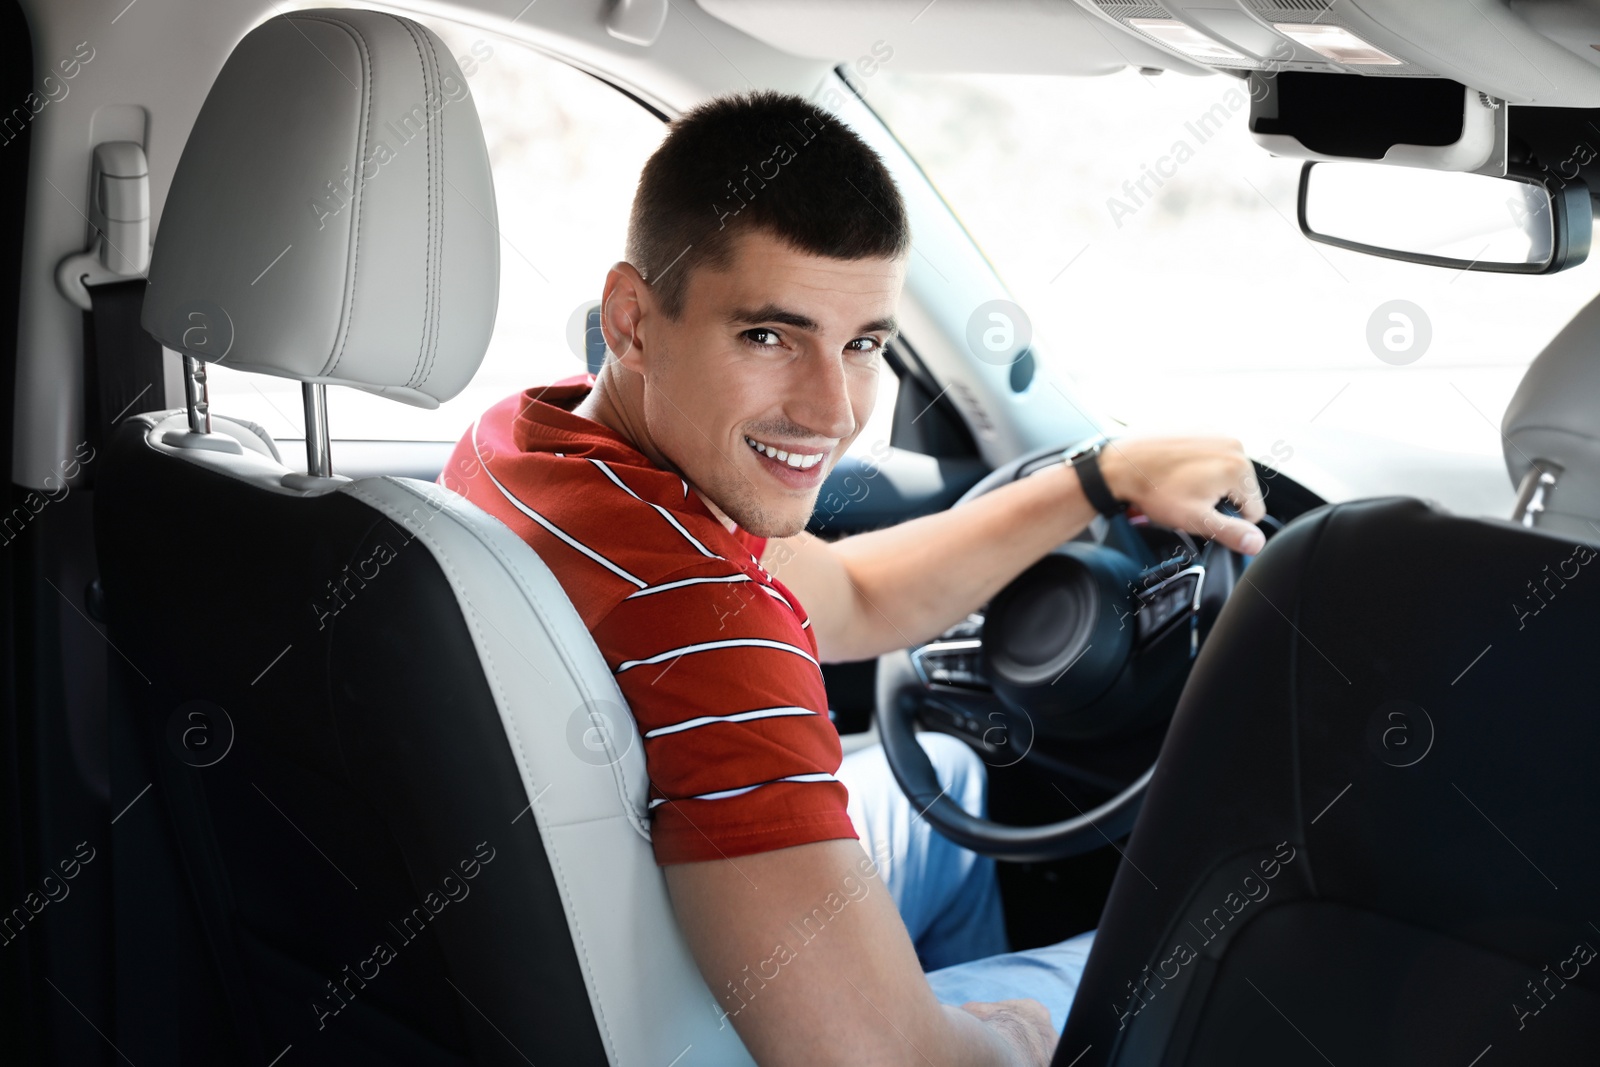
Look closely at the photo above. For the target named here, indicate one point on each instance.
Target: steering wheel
(1091, 643)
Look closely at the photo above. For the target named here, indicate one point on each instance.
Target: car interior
(287, 790)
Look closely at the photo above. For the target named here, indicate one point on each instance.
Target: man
(766, 252)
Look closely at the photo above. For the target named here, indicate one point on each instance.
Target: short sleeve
(721, 675)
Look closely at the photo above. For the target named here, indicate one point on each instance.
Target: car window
(566, 150)
(1153, 245)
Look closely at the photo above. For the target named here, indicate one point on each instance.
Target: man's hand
(808, 957)
(1177, 482)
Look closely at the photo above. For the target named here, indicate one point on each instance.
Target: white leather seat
(430, 699)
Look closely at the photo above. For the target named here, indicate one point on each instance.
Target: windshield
(1154, 246)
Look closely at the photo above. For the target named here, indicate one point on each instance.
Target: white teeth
(791, 459)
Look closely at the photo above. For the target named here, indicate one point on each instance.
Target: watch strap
(1095, 489)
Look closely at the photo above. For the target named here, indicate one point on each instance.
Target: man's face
(780, 350)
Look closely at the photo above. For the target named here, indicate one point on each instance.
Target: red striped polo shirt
(715, 657)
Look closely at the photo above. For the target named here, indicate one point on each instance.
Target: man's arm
(808, 955)
(894, 588)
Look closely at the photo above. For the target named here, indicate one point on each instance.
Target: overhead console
(1313, 35)
(1520, 51)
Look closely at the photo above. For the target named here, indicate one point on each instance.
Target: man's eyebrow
(775, 313)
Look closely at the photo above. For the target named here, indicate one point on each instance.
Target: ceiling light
(1336, 43)
(1184, 38)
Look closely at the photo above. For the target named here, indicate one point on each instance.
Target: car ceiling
(1544, 52)
(968, 36)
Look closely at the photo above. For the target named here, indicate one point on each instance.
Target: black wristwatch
(1086, 461)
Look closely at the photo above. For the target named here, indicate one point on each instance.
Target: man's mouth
(796, 460)
(797, 469)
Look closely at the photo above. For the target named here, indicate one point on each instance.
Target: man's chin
(770, 529)
(771, 522)
(784, 517)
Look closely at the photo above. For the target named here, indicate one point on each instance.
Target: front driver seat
(381, 812)
(1370, 836)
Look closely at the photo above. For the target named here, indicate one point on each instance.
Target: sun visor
(1412, 122)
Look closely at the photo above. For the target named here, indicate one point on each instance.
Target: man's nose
(822, 400)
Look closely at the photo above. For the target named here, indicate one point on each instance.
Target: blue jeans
(948, 896)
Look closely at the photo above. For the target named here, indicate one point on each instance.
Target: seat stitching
(427, 144)
(359, 183)
(435, 209)
(438, 288)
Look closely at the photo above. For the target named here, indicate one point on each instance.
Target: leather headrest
(1554, 418)
(332, 218)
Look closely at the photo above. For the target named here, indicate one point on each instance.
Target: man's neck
(602, 405)
(599, 407)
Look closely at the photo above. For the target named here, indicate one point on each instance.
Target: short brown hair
(759, 161)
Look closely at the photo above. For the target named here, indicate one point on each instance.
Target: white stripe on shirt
(779, 596)
(741, 716)
(548, 525)
(663, 587)
(707, 646)
(722, 794)
(665, 514)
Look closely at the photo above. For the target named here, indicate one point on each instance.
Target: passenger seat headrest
(1554, 421)
(332, 218)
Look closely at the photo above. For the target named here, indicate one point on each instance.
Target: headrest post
(194, 394)
(319, 460)
(1533, 495)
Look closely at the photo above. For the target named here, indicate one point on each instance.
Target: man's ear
(624, 305)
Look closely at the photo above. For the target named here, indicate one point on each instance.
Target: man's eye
(864, 344)
(762, 337)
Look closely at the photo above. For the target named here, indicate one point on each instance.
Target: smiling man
(766, 253)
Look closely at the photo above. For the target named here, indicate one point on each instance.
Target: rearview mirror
(1514, 224)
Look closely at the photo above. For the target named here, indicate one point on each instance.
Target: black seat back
(1370, 836)
(331, 852)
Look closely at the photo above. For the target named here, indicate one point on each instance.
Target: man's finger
(1247, 495)
(1237, 534)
